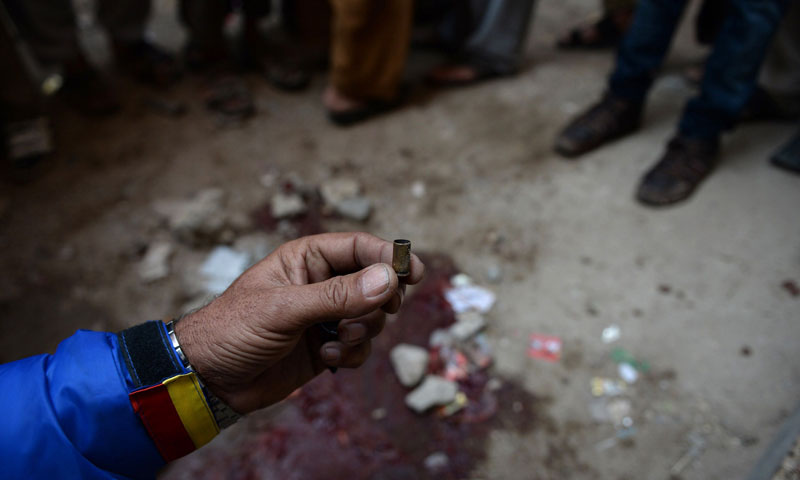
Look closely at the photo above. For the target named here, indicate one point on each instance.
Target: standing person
(50, 28)
(496, 31)
(728, 84)
(369, 48)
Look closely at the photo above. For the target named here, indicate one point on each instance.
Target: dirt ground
(697, 290)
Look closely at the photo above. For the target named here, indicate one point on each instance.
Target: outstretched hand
(257, 342)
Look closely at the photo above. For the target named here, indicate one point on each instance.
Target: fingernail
(331, 354)
(375, 281)
(354, 333)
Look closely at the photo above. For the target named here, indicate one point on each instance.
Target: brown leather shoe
(684, 165)
(607, 120)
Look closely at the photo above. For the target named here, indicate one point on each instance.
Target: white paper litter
(470, 297)
(222, 266)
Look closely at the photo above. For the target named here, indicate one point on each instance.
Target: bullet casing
(401, 257)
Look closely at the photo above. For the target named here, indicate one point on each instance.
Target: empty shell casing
(401, 257)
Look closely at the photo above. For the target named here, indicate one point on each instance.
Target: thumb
(346, 296)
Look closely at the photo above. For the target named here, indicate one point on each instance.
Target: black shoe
(684, 165)
(608, 120)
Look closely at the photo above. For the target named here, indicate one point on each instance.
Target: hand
(257, 342)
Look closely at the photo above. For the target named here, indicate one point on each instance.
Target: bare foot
(336, 101)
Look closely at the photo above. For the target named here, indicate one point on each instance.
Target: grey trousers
(50, 29)
(498, 40)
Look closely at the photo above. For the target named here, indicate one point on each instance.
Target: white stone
(155, 264)
(285, 205)
(434, 391)
(222, 266)
(204, 213)
(467, 325)
(336, 190)
(418, 189)
(437, 461)
(256, 245)
(357, 208)
(410, 363)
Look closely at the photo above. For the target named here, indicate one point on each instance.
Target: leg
(732, 68)
(204, 20)
(644, 47)
(728, 84)
(49, 27)
(369, 47)
(124, 20)
(498, 41)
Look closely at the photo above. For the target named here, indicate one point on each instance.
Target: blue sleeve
(68, 415)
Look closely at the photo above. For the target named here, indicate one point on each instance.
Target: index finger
(351, 251)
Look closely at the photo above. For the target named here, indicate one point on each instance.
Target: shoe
(684, 165)
(609, 119)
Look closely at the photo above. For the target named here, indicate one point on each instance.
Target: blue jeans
(731, 69)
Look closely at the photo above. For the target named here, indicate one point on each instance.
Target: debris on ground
(607, 387)
(433, 391)
(620, 355)
(155, 263)
(410, 363)
(202, 216)
(546, 347)
(628, 373)
(494, 274)
(467, 325)
(470, 297)
(611, 333)
(697, 443)
(436, 462)
(343, 197)
(222, 266)
(287, 205)
(418, 189)
(791, 287)
(256, 245)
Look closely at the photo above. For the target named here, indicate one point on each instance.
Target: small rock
(336, 190)
(268, 179)
(494, 274)
(467, 324)
(461, 280)
(627, 372)
(256, 245)
(155, 264)
(611, 333)
(418, 189)
(202, 214)
(436, 462)
(441, 338)
(434, 391)
(357, 208)
(410, 363)
(286, 205)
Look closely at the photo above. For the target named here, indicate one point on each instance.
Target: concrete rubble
(467, 325)
(343, 196)
(286, 205)
(203, 215)
(434, 391)
(410, 363)
(155, 263)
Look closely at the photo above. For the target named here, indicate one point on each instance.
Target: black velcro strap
(148, 353)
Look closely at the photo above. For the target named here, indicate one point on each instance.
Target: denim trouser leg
(732, 68)
(644, 46)
(499, 37)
